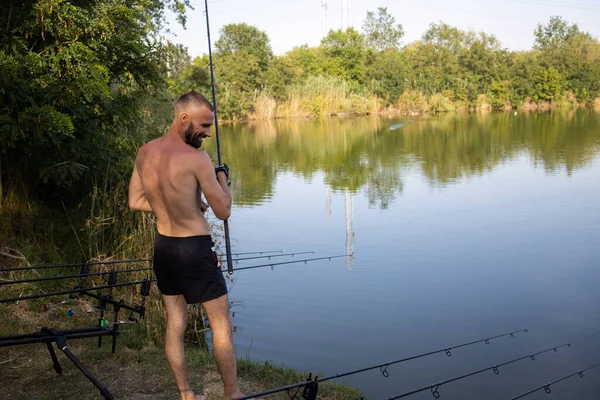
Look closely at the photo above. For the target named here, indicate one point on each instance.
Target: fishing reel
(311, 389)
(225, 169)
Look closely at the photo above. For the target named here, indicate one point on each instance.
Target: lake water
(462, 227)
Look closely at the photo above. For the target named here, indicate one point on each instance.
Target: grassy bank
(135, 374)
(138, 370)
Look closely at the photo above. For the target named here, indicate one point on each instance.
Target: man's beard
(190, 139)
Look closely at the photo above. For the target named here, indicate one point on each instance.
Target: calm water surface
(462, 227)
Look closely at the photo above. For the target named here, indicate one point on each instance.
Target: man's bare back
(166, 168)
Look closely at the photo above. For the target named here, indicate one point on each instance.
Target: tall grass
(484, 103)
(264, 106)
(29, 231)
(323, 96)
(412, 101)
(320, 95)
(566, 100)
(440, 103)
(112, 231)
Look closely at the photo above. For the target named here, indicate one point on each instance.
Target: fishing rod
(79, 290)
(546, 387)
(434, 387)
(272, 265)
(214, 96)
(382, 367)
(274, 255)
(255, 252)
(57, 278)
(82, 264)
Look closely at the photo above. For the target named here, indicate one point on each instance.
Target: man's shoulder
(199, 157)
(148, 146)
(197, 162)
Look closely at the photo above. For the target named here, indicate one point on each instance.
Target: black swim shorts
(188, 266)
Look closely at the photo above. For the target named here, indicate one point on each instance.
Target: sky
(290, 23)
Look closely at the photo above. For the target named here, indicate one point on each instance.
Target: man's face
(200, 122)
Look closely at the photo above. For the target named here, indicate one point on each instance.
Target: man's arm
(137, 196)
(214, 187)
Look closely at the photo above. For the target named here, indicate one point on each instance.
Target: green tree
(281, 75)
(244, 37)
(500, 93)
(239, 75)
(554, 34)
(548, 84)
(380, 30)
(193, 76)
(77, 83)
(241, 62)
(573, 53)
(444, 36)
(482, 62)
(177, 59)
(523, 68)
(385, 74)
(433, 62)
(582, 59)
(308, 60)
(345, 53)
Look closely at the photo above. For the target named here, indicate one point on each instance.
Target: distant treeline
(372, 71)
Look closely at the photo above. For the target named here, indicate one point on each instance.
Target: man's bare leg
(176, 324)
(217, 311)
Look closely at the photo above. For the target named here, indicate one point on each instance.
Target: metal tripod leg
(61, 343)
(57, 367)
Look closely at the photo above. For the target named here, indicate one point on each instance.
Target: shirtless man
(169, 176)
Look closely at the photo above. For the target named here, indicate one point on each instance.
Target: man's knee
(222, 327)
(176, 325)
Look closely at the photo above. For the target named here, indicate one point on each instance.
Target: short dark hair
(191, 99)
